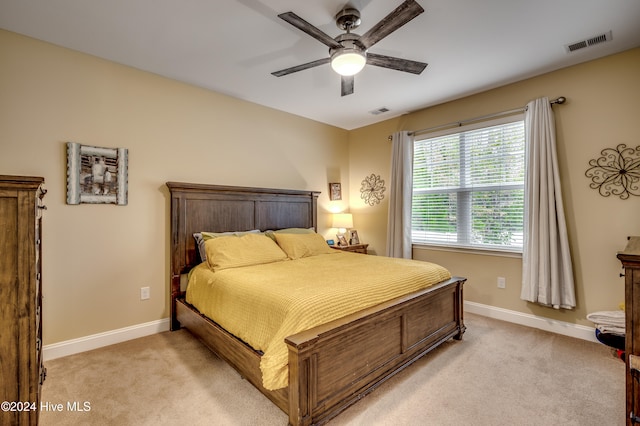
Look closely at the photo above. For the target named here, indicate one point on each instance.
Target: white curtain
(547, 270)
(400, 193)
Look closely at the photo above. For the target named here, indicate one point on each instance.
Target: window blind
(468, 188)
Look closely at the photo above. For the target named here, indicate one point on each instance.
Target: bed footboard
(334, 365)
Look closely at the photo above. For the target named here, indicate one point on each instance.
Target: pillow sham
(271, 234)
(302, 245)
(235, 251)
(201, 237)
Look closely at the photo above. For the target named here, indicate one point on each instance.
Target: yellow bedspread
(263, 304)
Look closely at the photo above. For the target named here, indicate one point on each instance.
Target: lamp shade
(348, 61)
(343, 220)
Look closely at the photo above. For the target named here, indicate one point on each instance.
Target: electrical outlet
(145, 293)
(502, 282)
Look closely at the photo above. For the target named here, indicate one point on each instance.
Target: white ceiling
(232, 46)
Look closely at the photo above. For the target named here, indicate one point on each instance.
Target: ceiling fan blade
(403, 14)
(399, 64)
(347, 85)
(306, 27)
(301, 67)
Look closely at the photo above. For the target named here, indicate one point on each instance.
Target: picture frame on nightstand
(342, 240)
(353, 237)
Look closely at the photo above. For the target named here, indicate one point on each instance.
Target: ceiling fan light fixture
(348, 61)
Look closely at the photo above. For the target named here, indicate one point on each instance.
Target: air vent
(379, 111)
(588, 42)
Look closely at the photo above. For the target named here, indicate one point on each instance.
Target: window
(468, 187)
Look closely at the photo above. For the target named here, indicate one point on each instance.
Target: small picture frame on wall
(335, 191)
(96, 175)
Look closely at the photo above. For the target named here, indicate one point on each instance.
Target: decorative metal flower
(372, 189)
(617, 172)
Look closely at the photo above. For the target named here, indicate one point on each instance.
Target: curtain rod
(558, 101)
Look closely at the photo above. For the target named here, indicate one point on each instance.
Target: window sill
(467, 250)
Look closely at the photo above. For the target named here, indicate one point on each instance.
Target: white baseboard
(529, 320)
(95, 341)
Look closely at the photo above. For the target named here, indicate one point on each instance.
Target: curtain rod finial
(560, 100)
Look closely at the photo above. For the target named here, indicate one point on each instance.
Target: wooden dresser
(630, 259)
(21, 368)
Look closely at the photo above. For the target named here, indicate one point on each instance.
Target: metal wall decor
(372, 189)
(617, 172)
(96, 175)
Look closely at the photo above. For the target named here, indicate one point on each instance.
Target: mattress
(264, 303)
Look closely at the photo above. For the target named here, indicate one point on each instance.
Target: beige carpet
(499, 374)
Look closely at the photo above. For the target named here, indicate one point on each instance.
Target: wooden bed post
(175, 282)
(300, 383)
(177, 249)
(460, 311)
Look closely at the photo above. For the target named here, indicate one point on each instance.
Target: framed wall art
(96, 175)
(335, 191)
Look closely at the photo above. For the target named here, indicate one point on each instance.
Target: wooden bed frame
(330, 366)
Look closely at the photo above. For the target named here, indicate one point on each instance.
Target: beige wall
(96, 257)
(602, 111)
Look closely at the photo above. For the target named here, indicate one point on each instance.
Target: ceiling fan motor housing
(349, 43)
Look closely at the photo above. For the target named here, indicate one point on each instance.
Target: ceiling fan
(348, 52)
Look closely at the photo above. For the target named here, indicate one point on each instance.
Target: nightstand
(356, 248)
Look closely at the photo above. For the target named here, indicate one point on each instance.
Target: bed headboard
(214, 208)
